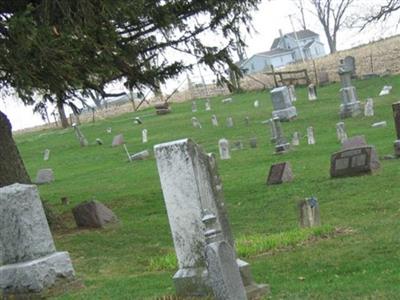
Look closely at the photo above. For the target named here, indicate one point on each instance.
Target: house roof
(302, 34)
(275, 52)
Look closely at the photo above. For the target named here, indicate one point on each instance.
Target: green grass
(134, 261)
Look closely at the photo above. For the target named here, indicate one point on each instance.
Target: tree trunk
(61, 112)
(12, 168)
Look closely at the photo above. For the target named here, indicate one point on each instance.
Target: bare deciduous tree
(332, 16)
(383, 13)
(301, 7)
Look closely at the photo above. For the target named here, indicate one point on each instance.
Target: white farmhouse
(285, 49)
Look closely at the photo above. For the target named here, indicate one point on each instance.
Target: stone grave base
(286, 114)
(282, 148)
(36, 275)
(350, 110)
(397, 148)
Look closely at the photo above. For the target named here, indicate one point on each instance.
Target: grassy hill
(136, 261)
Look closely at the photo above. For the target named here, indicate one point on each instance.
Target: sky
(267, 21)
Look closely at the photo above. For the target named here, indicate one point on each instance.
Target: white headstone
(385, 90)
(296, 139)
(28, 262)
(379, 124)
(292, 93)
(312, 92)
(227, 100)
(46, 155)
(196, 123)
(341, 132)
(229, 122)
(208, 105)
(144, 136)
(256, 103)
(214, 120)
(223, 146)
(310, 135)
(369, 108)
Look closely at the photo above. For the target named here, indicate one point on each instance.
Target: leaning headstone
(385, 90)
(280, 173)
(350, 106)
(144, 136)
(312, 92)
(223, 271)
(79, 135)
(369, 108)
(127, 153)
(350, 62)
(208, 105)
(227, 100)
(281, 143)
(309, 215)
(229, 122)
(282, 104)
(256, 103)
(341, 132)
(44, 176)
(273, 130)
(214, 120)
(191, 185)
(253, 143)
(93, 214)
(196, 123)
(380, 124)
(310, 135)
(29, 263)
(292, 93)
(223, 146)
(46, 154)
(354, 161)
(99, 141)
(194, 106)
(118, 140)
(296, 139)
(396, 117)
(141, 155)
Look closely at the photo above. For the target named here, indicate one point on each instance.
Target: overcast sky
(271, 16)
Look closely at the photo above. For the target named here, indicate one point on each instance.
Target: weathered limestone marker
(196, 123)
(341, 132)
(296, 139)
(396, 117)
(214, 120)
(29, 263)
(223, 146)
(222, 268)
(280, 173)
(229, 122)
(350, 106)
(282, 103)
(312, 92)
(350, 62)
(310, 135)
(191, 185)
(46, 154)
(208, 105)
(309, 215)
(369, 108)
(79, 135)
(44, 176)
(194, 106)
(292, 93)
(144, 136)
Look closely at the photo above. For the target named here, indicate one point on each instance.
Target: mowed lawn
(118, 262)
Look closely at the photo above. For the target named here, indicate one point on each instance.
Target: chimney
(282, 39)
(280, 33)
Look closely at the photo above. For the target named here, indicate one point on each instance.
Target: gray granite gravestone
(282, 104)
(29, 263)
(350, 62)
(118, 140)
(223, 271)
(93, 214)
(191, 184)
(350, 106)
(280, 173)
(44, 176)
(309, 215)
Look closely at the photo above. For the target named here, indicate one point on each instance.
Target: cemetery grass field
(354, 255)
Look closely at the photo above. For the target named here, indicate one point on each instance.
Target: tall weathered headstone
(282, 104)
(369, 108)
(29, 262)
(208, 105)
(341, 132)
(310, 135)
(214, 120)
(312, 92)
(79, 135)
(309, 215)
(46, 154)
(144, 136)
(292, 93)
(191, 185)
(296, 139)
(223, 146)
(350, 63)
(281, 143)
(350, 106)
(396, 117)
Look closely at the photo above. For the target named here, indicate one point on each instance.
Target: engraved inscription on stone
(359, 160)
(341, 163)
